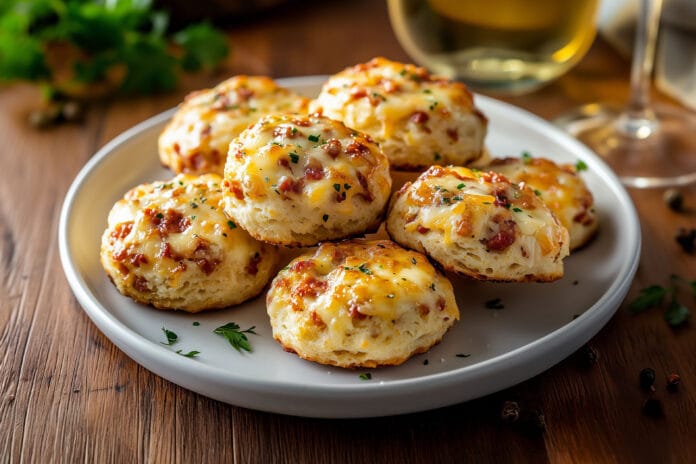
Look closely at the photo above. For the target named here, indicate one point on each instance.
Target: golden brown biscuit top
(560, 186)
(356, 279)
(288, 156)
(463, 202)
(396, 91)
(244, 96)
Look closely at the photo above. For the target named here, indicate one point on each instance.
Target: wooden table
(67, 393)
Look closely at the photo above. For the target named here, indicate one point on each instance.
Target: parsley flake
(437, 156)
(580, 166)
(365, 376)
(537, 192)
(517, 210)
(294, 158)
(190, 354)
(460, 186)
(363, 268)
(337, 187)
(325, 217)
(526, 157)
(196, 323)
(231, 225)
(237, 338)
(171, 337)
(462, 355)
(346, 186)
(413, 260)
(313, 138)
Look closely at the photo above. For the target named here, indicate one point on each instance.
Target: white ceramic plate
(503, 347)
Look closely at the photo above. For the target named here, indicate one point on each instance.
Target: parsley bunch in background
(74, 47)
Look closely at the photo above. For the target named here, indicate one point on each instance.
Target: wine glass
(647, 145)
(496, 46)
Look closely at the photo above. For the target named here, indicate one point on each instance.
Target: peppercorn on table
(68, 394)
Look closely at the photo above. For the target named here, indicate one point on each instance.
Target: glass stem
(638, 120)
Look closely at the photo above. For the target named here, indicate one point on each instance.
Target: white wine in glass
(648, 145)
(504, 46)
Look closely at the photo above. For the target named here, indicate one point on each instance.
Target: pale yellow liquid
(510, 46)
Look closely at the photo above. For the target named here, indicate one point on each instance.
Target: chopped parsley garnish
(196, 323)
(231, 225)
(427, 91)
(294, 158)
(346, 186)
(432, 286)
(413, 260)
(460, 186)
(337, 187)
(580, 166)
(437, 156)
(313, 138)
(649, 297)
(365, 376)
(653, 296)
(325, 217)
(462, 355)
(517, 210)
(433, 105)
(364, 269)
(193, 205)
(190, 354)
(495, 303)
(171, 337)
(294, 131)
(526, 157)
(237, 338)
(537, 192)
(159, 216)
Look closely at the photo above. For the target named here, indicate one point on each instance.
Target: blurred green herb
(104, 37)
(653, 296)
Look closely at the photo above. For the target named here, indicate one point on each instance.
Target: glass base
(658, 151)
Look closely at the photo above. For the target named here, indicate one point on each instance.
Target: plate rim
(134, 345)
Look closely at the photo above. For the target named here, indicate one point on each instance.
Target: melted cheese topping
(358, 279)
(178, 221)
(401, 104)
(313, 166)
(197, 138)
(464, 203)
(560, 188)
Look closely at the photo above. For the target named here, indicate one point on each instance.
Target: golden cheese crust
(360, 303)
(480, 225)
(298, 180)
(418, 119)
(562, 190)
(197, 138)
(170, 245)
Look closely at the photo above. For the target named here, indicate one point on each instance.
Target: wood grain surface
(67, 394)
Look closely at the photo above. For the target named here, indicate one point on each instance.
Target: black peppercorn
(674, 199)
(587, 356)
(687, 240)
(647, 379)
(510, 412)
(673, 381)
(533, 421)
(653, 408)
